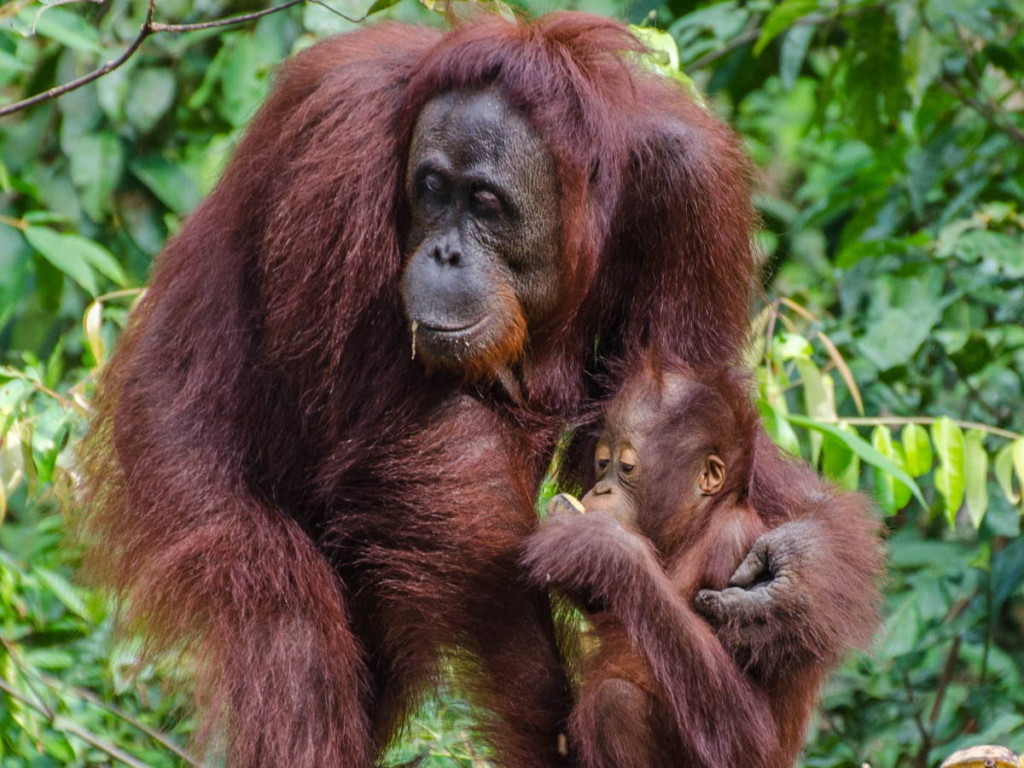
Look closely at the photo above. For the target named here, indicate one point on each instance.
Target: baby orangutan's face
(653, 433)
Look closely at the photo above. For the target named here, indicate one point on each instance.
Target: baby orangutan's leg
(615, 725)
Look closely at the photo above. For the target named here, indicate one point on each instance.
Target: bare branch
(227, 22)
(747, 36)
(987, 109)
(78, 82)
(151, 27)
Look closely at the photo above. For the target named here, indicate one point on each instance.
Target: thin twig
(151, 27)
(22, 667)
(78, 82)
(21, 698)
(226, 22)
(161, 738)
(944, 681)
(750, 35)
(989, 112)
(873, 421)
(921, 759)
(71, 728)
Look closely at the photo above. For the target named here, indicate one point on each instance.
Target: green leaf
(874, 90)
(791, 346)
(663, 58)
(77, 257)
(68, 29)
(917, 449)
(150, 95)
(976, 475)
(780, 19)
(778, 427)
(863, 449)
(662, 46)
(70, 260)
(243, 85)
(839, 462)
(892, 494)
(1004, 473)
(170, 182)
(97, 164)
(949, 477)
(794, 51)
(1005, 251)
(65, 592)
(819, 399)
(380, 5)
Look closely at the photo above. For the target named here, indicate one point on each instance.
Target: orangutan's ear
(712, 476)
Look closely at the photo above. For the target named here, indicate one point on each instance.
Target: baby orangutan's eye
(602, 464)
(628, 460)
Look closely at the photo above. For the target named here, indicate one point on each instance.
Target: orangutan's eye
(434, 184)
(485, 202)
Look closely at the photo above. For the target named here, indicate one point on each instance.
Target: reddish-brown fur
(664, 687)
(274, 487)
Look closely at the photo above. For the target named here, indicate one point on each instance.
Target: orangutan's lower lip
(462, 330)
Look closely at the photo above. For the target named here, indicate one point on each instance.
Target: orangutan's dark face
(482, 255)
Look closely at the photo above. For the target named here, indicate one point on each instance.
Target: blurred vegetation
(890, 349)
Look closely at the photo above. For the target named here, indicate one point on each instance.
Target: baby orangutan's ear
(712, 476)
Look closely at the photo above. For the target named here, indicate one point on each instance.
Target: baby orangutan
(714, 624)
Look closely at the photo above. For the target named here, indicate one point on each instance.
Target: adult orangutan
(315, 452)
(681, 493)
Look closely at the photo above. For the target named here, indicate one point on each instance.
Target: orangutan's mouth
(450, 330)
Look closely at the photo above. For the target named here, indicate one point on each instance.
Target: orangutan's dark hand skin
(772, 580)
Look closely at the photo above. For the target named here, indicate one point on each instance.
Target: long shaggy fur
(276, 490)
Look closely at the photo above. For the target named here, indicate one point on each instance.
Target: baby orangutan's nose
(602, 496)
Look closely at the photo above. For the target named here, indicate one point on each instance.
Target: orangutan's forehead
(472, 125)
(646, 401)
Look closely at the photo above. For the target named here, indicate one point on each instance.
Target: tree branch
(151, 27)
(226, 22)
(896, 421)
(747, 36)
(988, 109)
(78, 82)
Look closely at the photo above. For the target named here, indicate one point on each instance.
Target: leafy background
(890, 141)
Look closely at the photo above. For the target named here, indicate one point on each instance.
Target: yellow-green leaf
(917, 449)
(791, 346)
(949, 477)
(781, 18)
(819, 399)
(776, 422)
(839, 462)
(92, 324)
(863, 449)
(892, 494)
(976, 475)
(1004, 473)
(1018, 458)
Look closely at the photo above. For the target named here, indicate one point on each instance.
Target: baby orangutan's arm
(718, 711)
